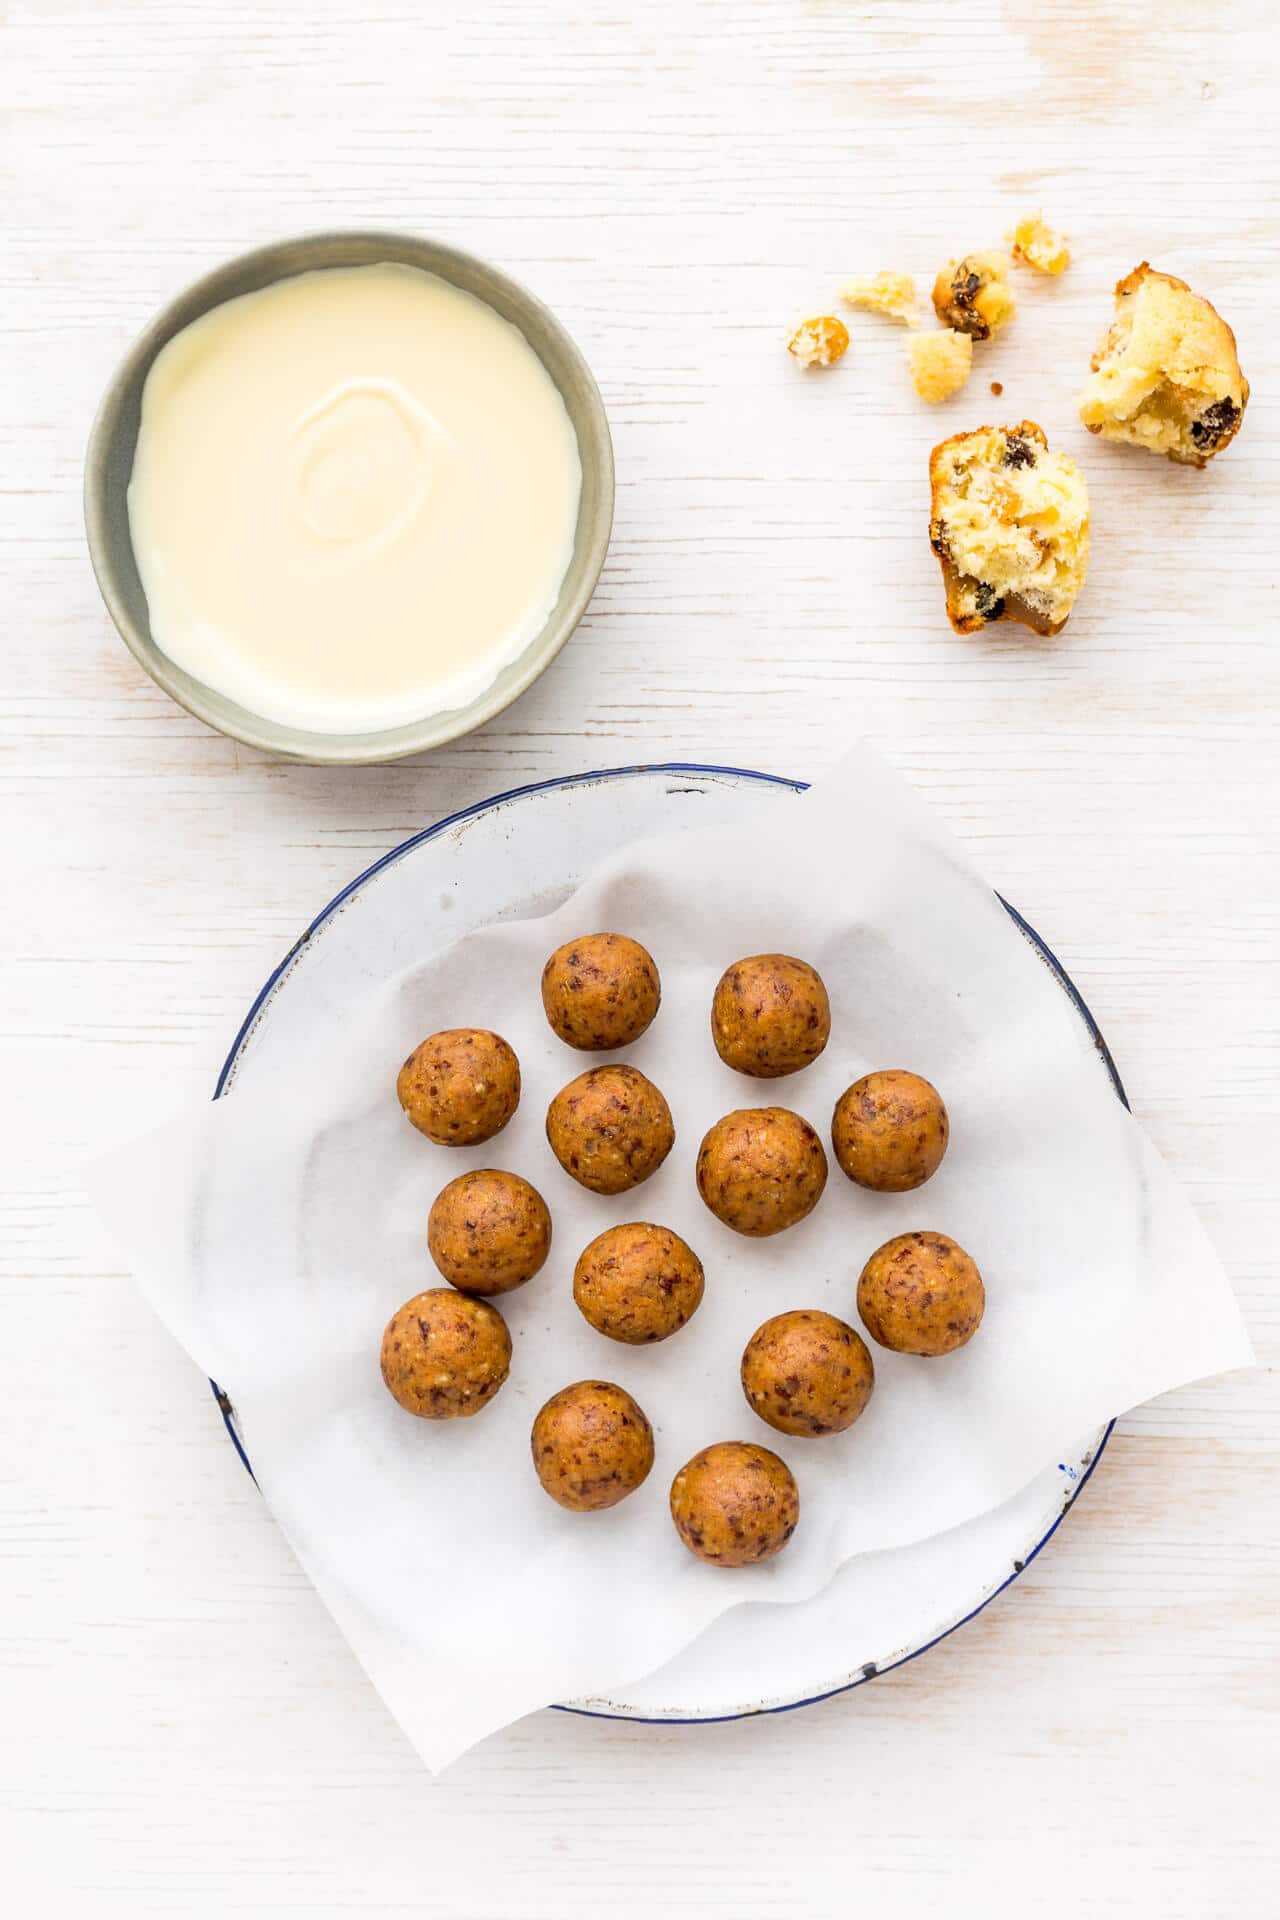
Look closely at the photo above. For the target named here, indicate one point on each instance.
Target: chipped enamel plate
(519, 854)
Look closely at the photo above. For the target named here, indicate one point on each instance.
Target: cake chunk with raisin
(1009, 522)
(1166, 375)
(973, 295)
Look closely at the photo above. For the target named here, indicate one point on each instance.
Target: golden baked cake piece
(819, 342)
(1166, 375)
(1009, 522)
(892, 294)
(940, 363)
(973, 295)
(1034, 243)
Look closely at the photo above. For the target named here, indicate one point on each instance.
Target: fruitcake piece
(973, 295)
(819, 342)
(1166, 376)
(892, 294)
(1009, 521)
(1034, 243)
(940, 363)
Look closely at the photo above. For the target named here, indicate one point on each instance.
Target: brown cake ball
(600, 992)
(638, 1283)
(806, 1372)
(889, 1131)
(592, 1446)
(770, 1015)
(488, 1231)
(461, 1086)
(735, 1504)
(921, 1293)
(444, 1355)
(610, 1128)
(761, 1169)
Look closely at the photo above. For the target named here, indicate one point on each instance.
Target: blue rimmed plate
(522, 853)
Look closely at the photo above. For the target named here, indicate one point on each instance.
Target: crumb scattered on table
(940, 363)
(892, 294)
(1034, 243)
(819, 342)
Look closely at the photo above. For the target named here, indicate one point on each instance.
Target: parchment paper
(276, 1232)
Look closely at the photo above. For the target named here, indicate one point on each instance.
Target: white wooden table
(182, 1729)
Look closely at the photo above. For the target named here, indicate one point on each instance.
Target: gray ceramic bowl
(109, 463)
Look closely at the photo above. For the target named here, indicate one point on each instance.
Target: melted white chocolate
(354, 498)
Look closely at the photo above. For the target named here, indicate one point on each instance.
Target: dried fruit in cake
(1166, 375)
(973, 295)
(1034, 243)
(1009, 523)
(819, 342)
(940, 363)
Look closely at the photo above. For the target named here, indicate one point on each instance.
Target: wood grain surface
(183, 1730)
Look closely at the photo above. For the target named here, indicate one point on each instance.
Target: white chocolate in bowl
(354, 498)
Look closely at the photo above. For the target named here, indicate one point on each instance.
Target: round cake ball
(600, 992)
(638, 1283)
(610, 1128)
(444, 1356)
(889, 1130)
(735, 1503)
(488, 1231)
(460, 1087)
(921, 1293)
(807, 1373)
(592, 1446)
(761, 1169)
(770, 1015)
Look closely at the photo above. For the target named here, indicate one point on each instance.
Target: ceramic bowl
(109, 463)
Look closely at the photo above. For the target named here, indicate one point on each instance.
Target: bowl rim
(595, 443)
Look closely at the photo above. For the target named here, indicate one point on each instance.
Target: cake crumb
(892, 294)
(940, 363)
(1034, 243)
(997, 388)
(1009, 522)
(819, 342)
(973, 295)
(1166, 375)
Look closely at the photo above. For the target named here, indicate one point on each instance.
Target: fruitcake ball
(735, 1503)
(921, 1293)
(600, 992)
(770, 1015)
(890, 1131)
(638, 1283)
(610, 1128)
(761, 1169)
(592, 1446)
(807, 1373)
(488, 1231)
(444, 1355)
(461, 1086)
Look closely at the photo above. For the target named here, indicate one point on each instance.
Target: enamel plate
(521, 854)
